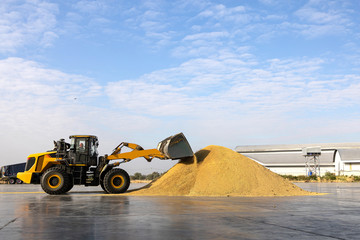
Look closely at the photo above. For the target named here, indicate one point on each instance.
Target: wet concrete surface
(86, 213)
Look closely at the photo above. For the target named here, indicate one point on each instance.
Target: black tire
(12, 181)
(102, 185)
(116, 181)
(71, 183)
(56, 181)
(18, 181)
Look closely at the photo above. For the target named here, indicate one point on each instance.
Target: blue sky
(223, 72)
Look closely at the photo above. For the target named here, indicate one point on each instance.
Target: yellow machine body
(39, 163)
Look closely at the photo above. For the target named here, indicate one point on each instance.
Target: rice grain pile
(219, 171)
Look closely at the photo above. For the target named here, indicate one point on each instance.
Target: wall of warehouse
(340, 159)
(298, 171)
(290, 168)
(347, 166)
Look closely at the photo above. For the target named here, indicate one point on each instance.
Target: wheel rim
(54, 181)
(117, 181)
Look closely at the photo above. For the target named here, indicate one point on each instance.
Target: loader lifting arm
(173, 147)
(137, 151)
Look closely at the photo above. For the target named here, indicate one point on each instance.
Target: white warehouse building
(338, 158)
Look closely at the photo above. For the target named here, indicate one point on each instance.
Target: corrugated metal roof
(294, 147)
(288, 158)
(350, 155)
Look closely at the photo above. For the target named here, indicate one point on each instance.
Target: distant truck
(8, 173)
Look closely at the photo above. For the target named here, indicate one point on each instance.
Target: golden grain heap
(219, 171)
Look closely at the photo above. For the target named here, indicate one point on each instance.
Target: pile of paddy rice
(219, 171)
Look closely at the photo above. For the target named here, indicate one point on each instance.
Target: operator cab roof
(84, 136)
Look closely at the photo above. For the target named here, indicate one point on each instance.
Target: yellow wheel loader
(78, 163)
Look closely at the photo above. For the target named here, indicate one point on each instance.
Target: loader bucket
(175, 147)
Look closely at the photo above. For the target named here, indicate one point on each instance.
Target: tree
(137, 176)
(151, 176)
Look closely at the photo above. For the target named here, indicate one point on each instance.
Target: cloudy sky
(222, 72)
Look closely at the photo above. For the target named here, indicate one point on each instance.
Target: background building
(338, 158)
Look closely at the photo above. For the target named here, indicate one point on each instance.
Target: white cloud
(233, 99)
(35, 96)
(321, 18)
(203, 44)
(201, 86)
(317, 16)
(313, 20)
(22, 76)
(206, 36)
(91, 6)
(28, 23)
(220, 11)
(269, 2)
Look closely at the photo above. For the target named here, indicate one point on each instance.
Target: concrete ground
(85, 213)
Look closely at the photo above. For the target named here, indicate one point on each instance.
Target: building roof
(350, 155)
(291, 158)
(294, 147)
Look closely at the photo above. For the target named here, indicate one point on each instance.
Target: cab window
(81, 145)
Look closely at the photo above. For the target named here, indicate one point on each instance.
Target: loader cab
(83, 149)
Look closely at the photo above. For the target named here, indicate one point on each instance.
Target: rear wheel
(12, 181)
(102, 185)
(56, 181)
(116, 181)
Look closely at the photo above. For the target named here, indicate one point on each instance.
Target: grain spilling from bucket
(219, 171)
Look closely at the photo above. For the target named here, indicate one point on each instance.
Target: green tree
(137, 176)
(152, 176)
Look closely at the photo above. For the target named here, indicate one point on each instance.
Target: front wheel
(18, 181)
(56, 181)
(116, 181)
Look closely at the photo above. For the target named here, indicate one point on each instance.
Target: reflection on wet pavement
(89, 214)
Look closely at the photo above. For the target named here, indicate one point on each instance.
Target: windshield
(72, 144)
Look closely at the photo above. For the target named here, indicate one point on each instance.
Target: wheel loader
(78, 163)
